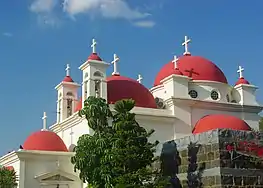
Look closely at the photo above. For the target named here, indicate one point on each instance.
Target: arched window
(70, 94)
(86, 75)
(97, 88)
(98, 74)
(69, 107)
(59, 110)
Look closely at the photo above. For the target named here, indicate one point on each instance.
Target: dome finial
(93, 46)
(139, 78)
(44, 121)
(240, 71)
(68, 70)
(175, 61)
(185, 44)
(114, 62)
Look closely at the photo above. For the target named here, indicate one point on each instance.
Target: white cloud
(42, 6)
(145, 23)
(7, 34)
(106, 8)
(44, 9)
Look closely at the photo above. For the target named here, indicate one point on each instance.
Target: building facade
(191, 95)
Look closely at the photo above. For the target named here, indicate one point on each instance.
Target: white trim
(214, 105)
(43, 176)
(70, 84)
(86, 63)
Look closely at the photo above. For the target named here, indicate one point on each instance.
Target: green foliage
(118, 154)
(7, 178)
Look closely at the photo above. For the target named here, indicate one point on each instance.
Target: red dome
(120, 87)
(44, 141)
(220, 121)
(79, 105)
(196, 67)
(242, 81)
(94, 56)
(67, 79)
(9, 168)
(177, 72)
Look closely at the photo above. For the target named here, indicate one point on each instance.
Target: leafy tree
(118, 154)
(7, 178)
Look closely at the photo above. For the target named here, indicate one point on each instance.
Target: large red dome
(44, 141)
(120, 87)
(220, 121)
(201, 68)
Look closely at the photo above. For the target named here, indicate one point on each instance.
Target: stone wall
(207, 154)
(223, 168)
(240, 167)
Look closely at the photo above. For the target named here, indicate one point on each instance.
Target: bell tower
(94, 75)
(67, 96)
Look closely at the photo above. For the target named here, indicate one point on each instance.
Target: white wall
(41, 165)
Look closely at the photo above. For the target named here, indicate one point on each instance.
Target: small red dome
(94, 56)
(44, 141)
(67, 79)
(196, 67)
(120, 87)
(9, 168)
(79, 105)
(220, 121)
(241, 81)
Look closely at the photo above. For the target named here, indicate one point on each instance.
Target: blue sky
(38, 38)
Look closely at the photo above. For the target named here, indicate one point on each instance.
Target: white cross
(93, 45)
(240, 71)
(140, 78)
(57, 164)
(185, 44)
(71, 136)
(68, 70)
(44, 121)
(175, 61)
(114, 62)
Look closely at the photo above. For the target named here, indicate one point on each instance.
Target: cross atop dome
(44, 118)
(175, 61)
(116, 59)
(240, 71)
(185, 44)
(68, 70)
(93, 46)
(139, 78)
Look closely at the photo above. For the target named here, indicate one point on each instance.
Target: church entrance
(57, 179)
(55, 186)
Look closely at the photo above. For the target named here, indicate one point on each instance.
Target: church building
(190, 95)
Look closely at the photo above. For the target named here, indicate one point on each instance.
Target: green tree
(7, 178)
(118, 153)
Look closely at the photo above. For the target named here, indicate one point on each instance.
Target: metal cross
(240, 71)
(185, 44)
(175, 61)
(114, 62)
(71, 136)
(93, 45)
(68, 70)
(191, 72)
(44, 121)
(140, 78)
